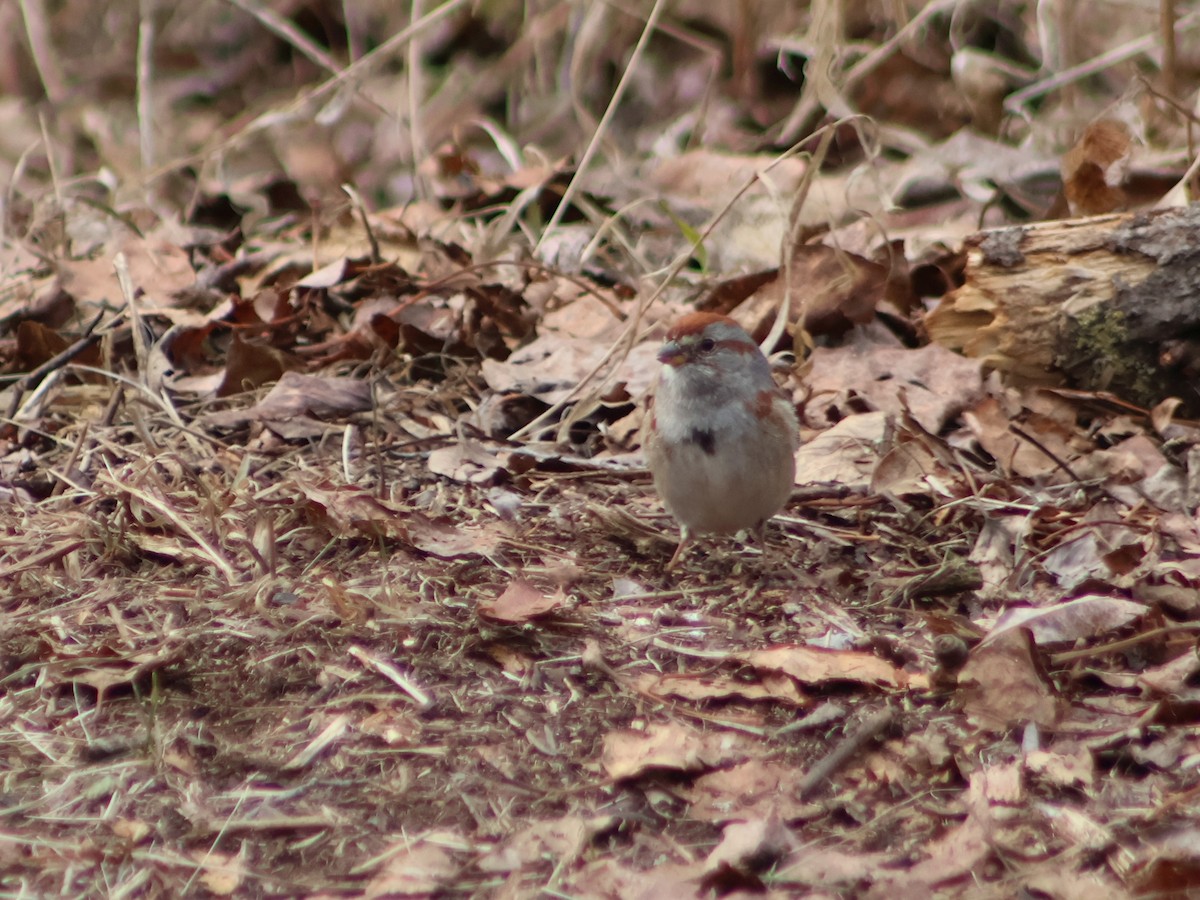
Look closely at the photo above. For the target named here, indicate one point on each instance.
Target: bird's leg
(760, 538)
(770, 560)
(685, 540)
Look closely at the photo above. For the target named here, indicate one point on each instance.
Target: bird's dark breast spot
(704, 439)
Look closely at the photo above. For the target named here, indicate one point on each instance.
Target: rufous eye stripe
(737, 346)
(761, 407)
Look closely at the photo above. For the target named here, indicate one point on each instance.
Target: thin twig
(819, 775)
(145, 83)
(393, 674)
(602, 128)
(1014, 102)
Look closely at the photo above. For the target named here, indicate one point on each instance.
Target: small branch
(819, 775)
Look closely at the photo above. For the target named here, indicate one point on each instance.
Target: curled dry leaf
(713, 687)
(298, 399)
(816, 665)
(468, 461)
(912, 467)
(834, 290)
(250, 365)
(1083, 617)
(351, 509)
(1094, 171)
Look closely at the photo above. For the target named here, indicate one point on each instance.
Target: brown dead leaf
(748, 790)
(520, 602)
(905, 89)
(1064, 883)
(1168, 863)
(1085, 558)
(845, 454)
(551, 367)
(327, 276)
(1003, 685)
(828, 867)
(250, 365)
(297, 405)
(509, 659)
(705, 175)
(1096, 168)
(955, 854)
(583, 318)
(747, 849)
(468, 461)
(222, 872)
(936, 384)
(157, 269)
(423, 866)
(447, 540)
(1172, 679)
(729, 293)
(833, 290)
(431, 328)
(1017, 456)
(349, 509)
(912, 467)
(37, 344)
(1083, 832)
(609, 877)
(628, 753)
(1067, 765)
(999, 783)
(816, 665)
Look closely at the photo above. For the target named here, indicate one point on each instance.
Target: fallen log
(1105, 303)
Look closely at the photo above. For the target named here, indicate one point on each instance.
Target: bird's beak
(671, 354)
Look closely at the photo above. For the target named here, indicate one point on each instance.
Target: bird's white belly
(730, 490)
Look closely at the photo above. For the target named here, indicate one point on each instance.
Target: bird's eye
(708, 345)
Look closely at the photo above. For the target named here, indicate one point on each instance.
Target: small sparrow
(722, 436)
